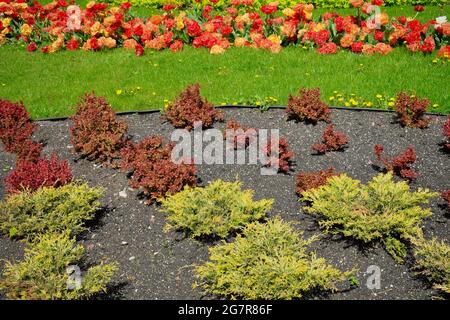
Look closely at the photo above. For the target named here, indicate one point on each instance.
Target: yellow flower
(6, 22)
(435, 105)
(341, 99)
(391, 104)
(331, 98)
(216, 49)
(347, 104)
(288, 12)
(25, 29)
(119, 92)
(274, 38)
(379, 96)
(369, 104)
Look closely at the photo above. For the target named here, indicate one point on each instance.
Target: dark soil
(158, 265)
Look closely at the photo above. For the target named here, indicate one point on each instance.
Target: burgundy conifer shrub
(308, 106)
(400, 164)
(410, 110)
(282, 158)
(242, 136)
(96, 133)
(447, 134)
(446, 196)
(191, 107)
(152, 169)
(331, 141)
(310, 180)
(29, 175)
(16, 129)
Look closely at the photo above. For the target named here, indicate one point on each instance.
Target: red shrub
(15, 124)
(190, 107)
(42, 173)
(399, 165)
(446, 197)
(410, 110)
(152, 169)
(447, 134)
(332, 141)
(242, 137)
(96, 132)
(308, 106)
(311, 180)
(16, 130)
(282, 158)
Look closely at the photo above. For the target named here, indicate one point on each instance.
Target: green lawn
(50, 84)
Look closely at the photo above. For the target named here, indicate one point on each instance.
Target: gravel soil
(158, 265)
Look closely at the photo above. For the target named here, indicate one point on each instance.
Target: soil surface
(158, 265)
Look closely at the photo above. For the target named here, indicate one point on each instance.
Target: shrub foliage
(152, 170)
(446, 133)
(96, 132)
(382, 210)
(191, 107)
(239, 137)
(281, 158)
(410, 110)
(27, 214)
(269, 261)
(16, 130)
(43, 273)
(29, 175)
(310, 180)
(308, 106)
(215, 210)
(331, 141)
(433, 262)
(400, 164)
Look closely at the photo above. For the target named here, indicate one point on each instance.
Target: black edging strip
(243, 107)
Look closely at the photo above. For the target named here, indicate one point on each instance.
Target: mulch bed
(158, 265)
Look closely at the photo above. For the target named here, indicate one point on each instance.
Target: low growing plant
(382, 210)
(400, 165)
(240, 137)
(432, 260)
(16, 129)
(411, 109)
(96, 132)
(152, 169)
(446, 196)
(308, 106)
(191, 107)
(43, 274)
(310, 180)
(31, 176)
(331, 141)
(446, 132)
(280, 158)
(218, 209)
(268, 261)
(28, 214)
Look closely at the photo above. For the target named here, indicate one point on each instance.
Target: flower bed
(57, 26)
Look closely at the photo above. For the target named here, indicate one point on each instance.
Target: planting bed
(158, 265)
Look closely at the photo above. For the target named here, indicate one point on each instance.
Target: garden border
(229, 106)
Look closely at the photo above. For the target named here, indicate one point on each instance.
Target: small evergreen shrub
(310, 180)
(308, 107)
(446, 133)
(446, 196)
(382, 210)
(400, 165)
(43, 274)
(268, 261)
(432, 260)
(15, 125)
(331, 141)
(215, 210)
(240, 137)
(96, 133)
(31, 176)
(152, 169)
(281, 158)
(16, 129)
(410, 110)
(190, 107)
(26, 215)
